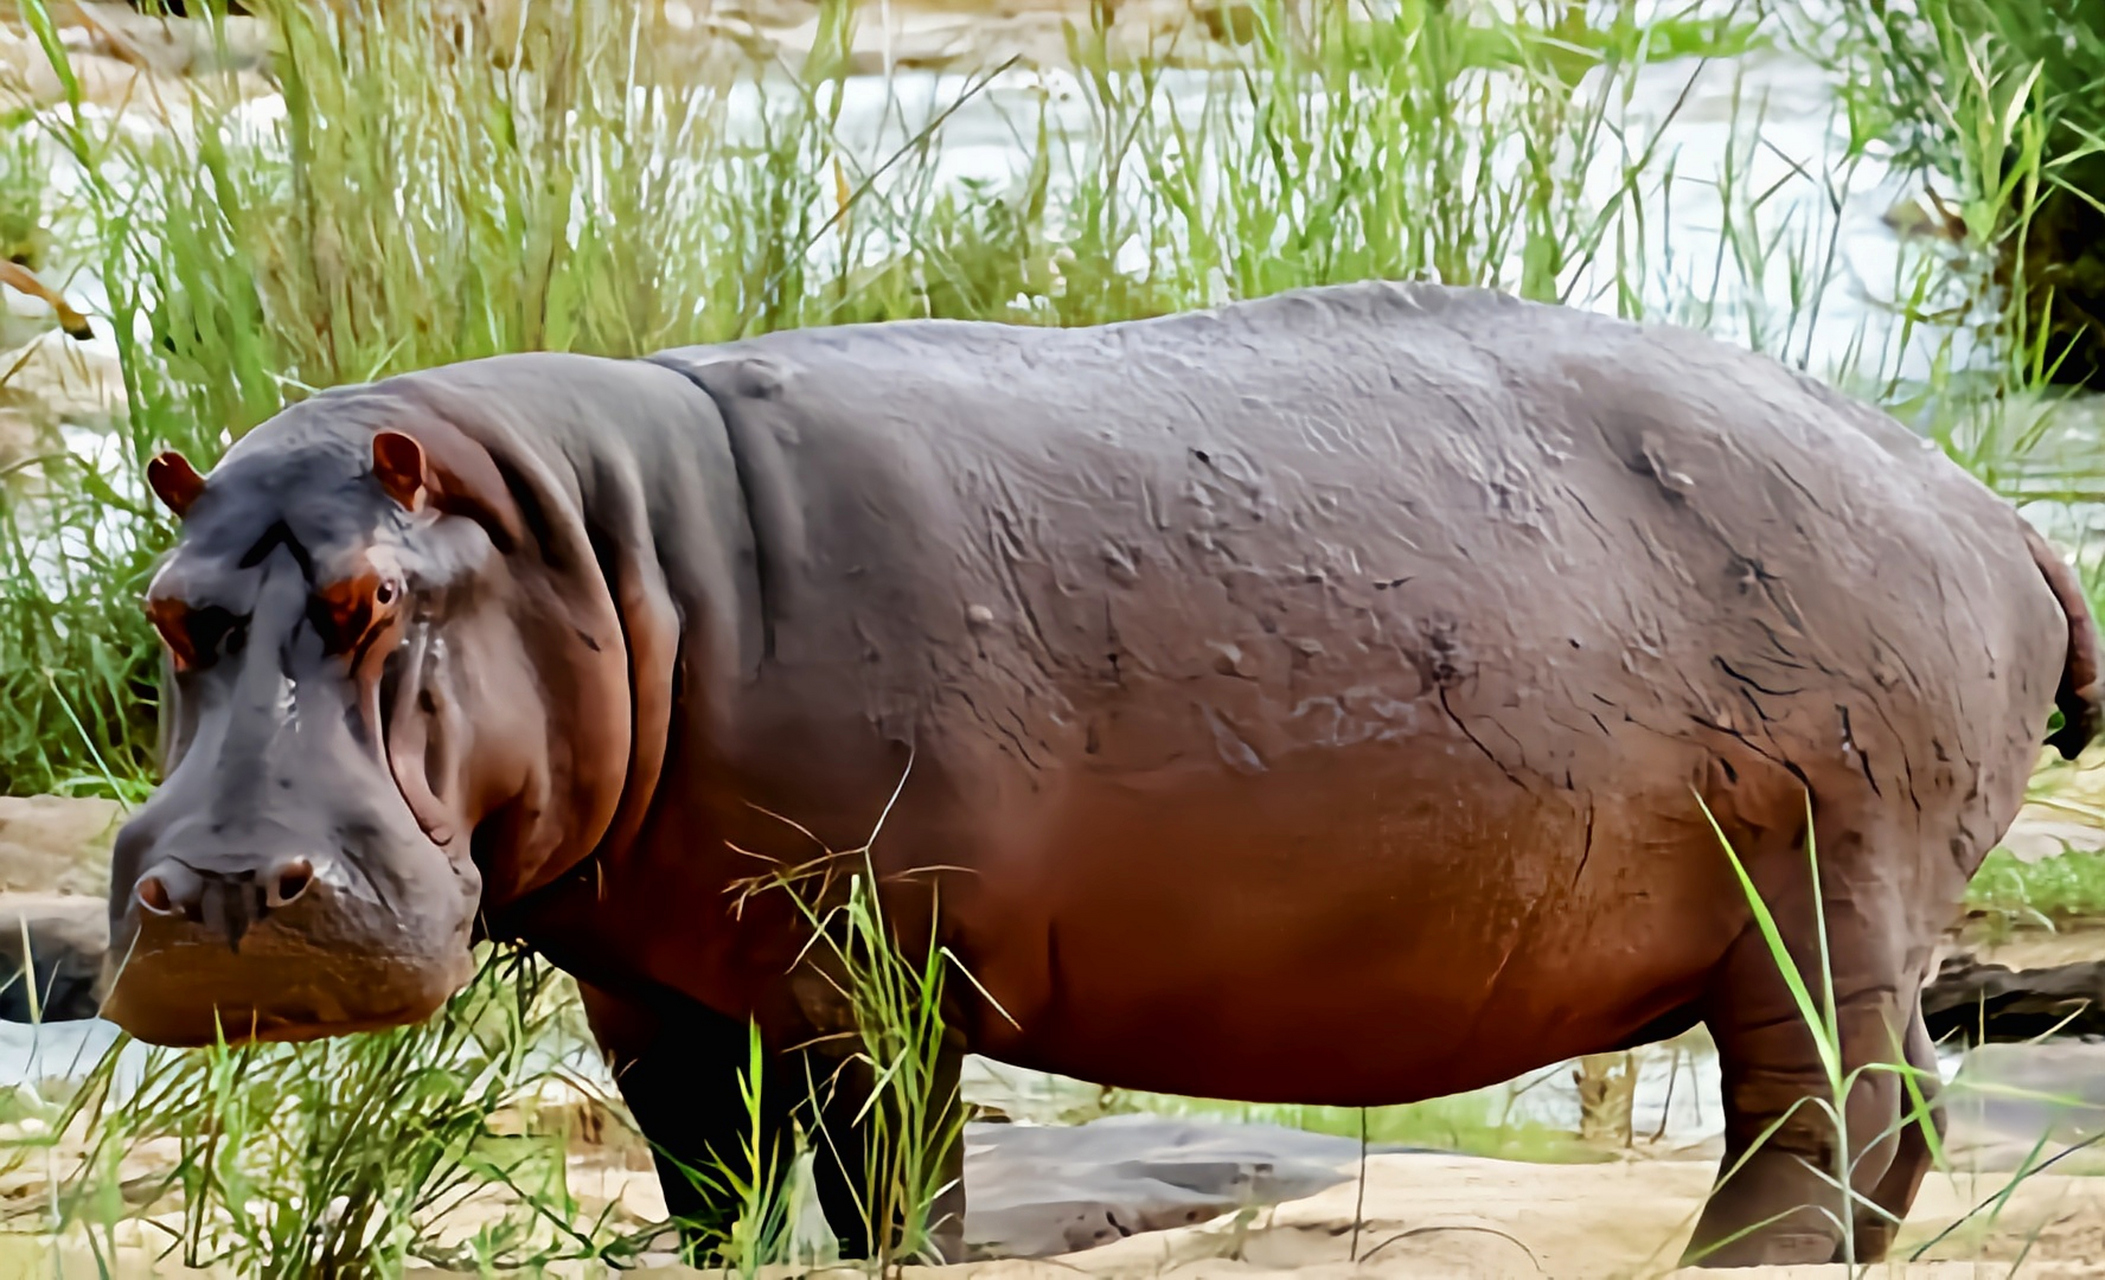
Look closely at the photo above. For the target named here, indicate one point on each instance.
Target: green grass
(1913, 73)
(25, 203)
(913, 1119)
(1911, 62)
(2051, 891)
(339, 1157)
(1479, 1123)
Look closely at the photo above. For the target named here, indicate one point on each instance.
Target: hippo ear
(400, 466)
(174, 481)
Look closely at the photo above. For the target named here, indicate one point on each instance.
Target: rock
(2047, 831)
(1229, 21)
(174, 46)
(1926, 217)
(1038, 1191)
(56, 844)
(65, 939)
(2017, 1104)
(117, 84)
(1978, 1003)
(976, 35)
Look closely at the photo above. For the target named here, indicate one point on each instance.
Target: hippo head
(389, 692)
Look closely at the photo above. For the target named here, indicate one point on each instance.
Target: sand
(1437, 1216)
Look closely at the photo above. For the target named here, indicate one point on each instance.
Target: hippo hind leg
(1878, 1221)
(681, 1068)
(1779, 1198)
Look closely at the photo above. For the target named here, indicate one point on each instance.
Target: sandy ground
(151, 65)
(1439, 1216)
(1452, 1216)
(1435, 1217)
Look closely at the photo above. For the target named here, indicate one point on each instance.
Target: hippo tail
(2078, 696)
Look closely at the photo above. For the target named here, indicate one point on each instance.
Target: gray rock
(63, 940)
(56, 844)
(1044, 1190)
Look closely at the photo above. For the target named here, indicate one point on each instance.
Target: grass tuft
(342, 1157)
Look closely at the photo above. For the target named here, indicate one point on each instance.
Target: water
(1706, 118)
(1677, 1098)
(60, 1051)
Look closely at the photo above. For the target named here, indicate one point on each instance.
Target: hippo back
(1377, 512)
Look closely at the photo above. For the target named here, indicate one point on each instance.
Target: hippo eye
(347, 613)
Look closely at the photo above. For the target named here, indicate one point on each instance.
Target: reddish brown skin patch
(399, 465)
(356, 613)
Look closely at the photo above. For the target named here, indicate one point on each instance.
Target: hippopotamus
(1349, 697)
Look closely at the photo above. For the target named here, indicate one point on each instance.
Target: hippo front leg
(680, 1067)
(856, 1184)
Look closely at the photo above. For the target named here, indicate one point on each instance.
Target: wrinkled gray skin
(1307, 701)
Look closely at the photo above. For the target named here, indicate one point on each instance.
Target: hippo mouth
(180, 986)
(205, 952)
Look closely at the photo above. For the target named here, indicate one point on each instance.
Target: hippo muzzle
(265, 931)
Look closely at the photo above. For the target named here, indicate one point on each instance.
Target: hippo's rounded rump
(1318, 693)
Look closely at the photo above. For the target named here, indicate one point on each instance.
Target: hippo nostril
(288, 880)
(153, 895)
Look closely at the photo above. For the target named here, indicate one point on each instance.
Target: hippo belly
(1442, 887)
(1347, 931)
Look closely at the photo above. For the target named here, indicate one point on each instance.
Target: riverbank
(129, 61)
